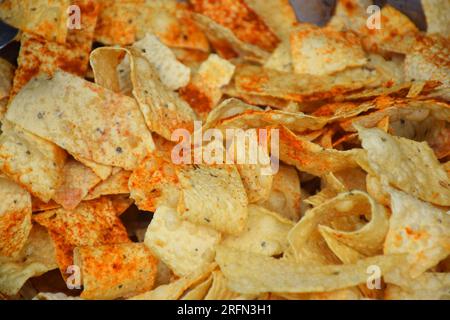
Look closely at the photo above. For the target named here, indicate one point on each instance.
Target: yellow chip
(36, 258)
(182, 245)
(285, 195)
(437, 14)
(321, 51)
(30, 161)
(226, 211)
(265, 233)
(46, 18)
(418, 229)
(116, 184)
(340, 218)
(83, 118)
(250, 273)
(408, 165)
(219, 289)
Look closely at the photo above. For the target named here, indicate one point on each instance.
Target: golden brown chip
(83, 118)
(6, 77)
(46, 18)
(116, 184)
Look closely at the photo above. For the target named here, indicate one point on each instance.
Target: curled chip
(15, 217)
(252, 273)
(77, 115)
(419, 229)
(265, 233)
(227, 210)
(116, 270)
(340, 218)
(408, 165)
(36, 258)
(182, 245)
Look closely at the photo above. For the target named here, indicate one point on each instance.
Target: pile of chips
(92, 205)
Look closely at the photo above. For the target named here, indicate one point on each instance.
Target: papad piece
(173, 74)
(353, 218)
(154, 183)
(406, 164)
(181, 245)
(312, 158)
(252, 273)
(15, 217)
(115, 270)
(125, 22)
(268, 82)
(91, 223)
(116, 184)
(204, 91)
(83, 118)
(175, 289)
(164, 111)
(278, 15)
(285, 195)
(428, 286)
(265, 233)
(46, 18)
(418, 229)
(6, 78)
(36, 258)
(225, 42)
(437, 14)
(429, 59)
(219, 289)
(240, 19)
(32, 162)
(319, 51)
(76, 182)
(213, 196)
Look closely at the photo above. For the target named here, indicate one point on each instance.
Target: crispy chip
(101, 170)
(182, 245)
(91, 223)
(213, 196)
(312, 158)
(278, 15)
(167, 19)
(204, 91)
(219, 289)
(437, 14)
(46, 18)
(340, 217)
(350, 15)
(419, 229)
(199, 292)
(285, 195)
(408, 165)
(253, 273)
(226, 43)
(15, 217)
(116, 184)
(281, 59)
(36, 258)
(154, 183)
(238, 17)
(300, 88)
(321, 51)
(84, 119)
(115, 270)
(6, 77)
(76, 183)
(30, 161)
(175, 289)
(265, 233)
(173, 74)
